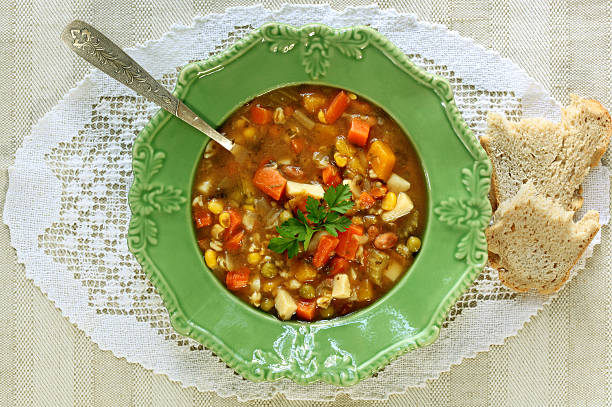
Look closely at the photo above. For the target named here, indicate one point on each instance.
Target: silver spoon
(105, 55)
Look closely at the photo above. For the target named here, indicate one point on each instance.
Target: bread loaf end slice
(534, 243)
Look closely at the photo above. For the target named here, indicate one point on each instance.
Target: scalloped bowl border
(475, 261)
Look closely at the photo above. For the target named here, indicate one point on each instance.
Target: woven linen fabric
(542, 368)
(77, 163)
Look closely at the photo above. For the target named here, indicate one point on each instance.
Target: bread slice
(534, 243)
(555, 156)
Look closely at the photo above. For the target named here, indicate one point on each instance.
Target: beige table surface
(562, 357)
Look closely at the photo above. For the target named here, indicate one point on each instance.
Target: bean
(385, 241)
(293, 172)
(373, 232)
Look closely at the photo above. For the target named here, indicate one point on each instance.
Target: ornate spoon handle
(105, 55)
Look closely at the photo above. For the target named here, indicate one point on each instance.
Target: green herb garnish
(322, 216)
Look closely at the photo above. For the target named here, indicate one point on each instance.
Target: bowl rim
(477, 178)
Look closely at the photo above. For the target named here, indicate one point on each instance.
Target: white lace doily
(67, 204)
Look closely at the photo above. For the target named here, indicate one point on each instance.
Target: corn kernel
(321, 117)
(210, 257)
(279, 116)
(253, 258)
(249, 133)
(216, 245)
(198, 201)
(389, 201)
(249, 207)
(215, 206)
(414, 244)
(216, 231)
(224, 220)
(340, 159)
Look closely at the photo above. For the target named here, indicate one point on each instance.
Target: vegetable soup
(326, 216)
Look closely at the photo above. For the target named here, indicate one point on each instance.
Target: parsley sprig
(319, 216)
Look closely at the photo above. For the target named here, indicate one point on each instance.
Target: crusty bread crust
(602, 111)
(485, 142)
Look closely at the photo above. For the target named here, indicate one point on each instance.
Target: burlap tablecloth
(562, 357)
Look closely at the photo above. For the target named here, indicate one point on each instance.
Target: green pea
(327, 312)
(307, 291)
(267, 303)
(414, 244)
(269, 270)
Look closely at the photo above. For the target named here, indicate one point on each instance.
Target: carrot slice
(366, 201)
(348, 244)
(337, 107)
(234, 241)
(355, 230)
(237, 279)
(339, 265)
(359, 132)
(325, 249)
(260, 115)
(331, 177)
(382, 159)
(270, 181)
(235, 221)
(202, 218)
(306, 310)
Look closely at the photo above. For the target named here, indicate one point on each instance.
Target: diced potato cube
(402, 208)
(397, 184)
(296, 188)
(285, 304)
(394, 270)
(342, 287)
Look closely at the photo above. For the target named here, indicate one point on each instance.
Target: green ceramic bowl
(344, 350)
